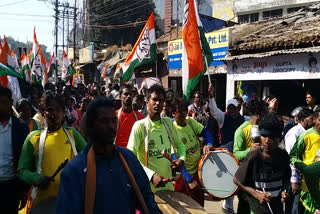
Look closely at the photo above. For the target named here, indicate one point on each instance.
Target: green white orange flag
(52, 66)
(13, 82)
(143, 52)
(104, 72)
(195, 48)
(36, 71)
(25, 71)
(68, 69)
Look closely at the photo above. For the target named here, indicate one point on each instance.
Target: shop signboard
(294, 66)
(218, 42)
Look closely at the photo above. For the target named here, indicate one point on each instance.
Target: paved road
(214, 207)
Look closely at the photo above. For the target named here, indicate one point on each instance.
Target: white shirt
(290, 140)
(6, 155)
(216, 112)
(292, 135)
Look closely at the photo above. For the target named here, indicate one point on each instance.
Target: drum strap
(91, 182)
(190, 124)
(146, 139)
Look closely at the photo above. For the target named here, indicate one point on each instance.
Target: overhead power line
(13, 3)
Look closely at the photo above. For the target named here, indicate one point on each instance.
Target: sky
(18, 17)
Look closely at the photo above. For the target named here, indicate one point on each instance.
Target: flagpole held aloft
(209, 78)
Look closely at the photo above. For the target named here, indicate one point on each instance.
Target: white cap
(232, 102)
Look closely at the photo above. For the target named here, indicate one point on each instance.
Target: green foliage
(17, 44)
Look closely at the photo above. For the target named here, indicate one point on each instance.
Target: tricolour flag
(52, 66)
(25, 71)
(117, 71)
(13, 82)
(68, 69)
(104, 72)
(36, 70)
(195, 48)
(143, 52)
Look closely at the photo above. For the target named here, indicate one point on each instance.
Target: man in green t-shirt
(190, 131)
(152, 135)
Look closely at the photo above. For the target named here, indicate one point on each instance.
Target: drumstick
(62, 165)
(167, 156)
(167, 180)
(268, 202)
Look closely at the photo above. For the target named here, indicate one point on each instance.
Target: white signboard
(282, 67)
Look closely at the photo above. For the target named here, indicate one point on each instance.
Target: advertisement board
(217, 40)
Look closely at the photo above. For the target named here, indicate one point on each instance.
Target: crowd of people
(115, 138)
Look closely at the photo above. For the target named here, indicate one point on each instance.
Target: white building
(257, 10)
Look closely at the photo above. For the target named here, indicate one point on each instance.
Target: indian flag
(52, 66)
(68, 69)
(13, 83)
(36, 71)
(117, 71)
(5, 71)
(144, 51)
(195, 49)
(25, 71)
(104, 72)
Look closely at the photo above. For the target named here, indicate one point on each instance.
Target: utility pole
(64, 11)
(56, 32)
(67, 29)
(74, 30)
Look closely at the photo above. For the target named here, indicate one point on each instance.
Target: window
(293, 9)
(244, 19)
(272, 13)
(253, 17)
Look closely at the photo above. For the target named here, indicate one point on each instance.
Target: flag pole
(209, 79)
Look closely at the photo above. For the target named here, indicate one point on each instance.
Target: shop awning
(272, 53)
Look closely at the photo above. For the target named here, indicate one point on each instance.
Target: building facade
(257, 10)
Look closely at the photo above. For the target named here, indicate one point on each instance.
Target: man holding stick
(150, 136)
(42, 154)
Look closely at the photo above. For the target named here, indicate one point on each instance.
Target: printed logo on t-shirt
(157, 153)
(151, 144)
(184, 140)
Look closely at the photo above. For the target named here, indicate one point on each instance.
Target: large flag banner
(36, 71)
(25, 71)
(143, 52)
(67, 68)
(195, 49)
(52, 66)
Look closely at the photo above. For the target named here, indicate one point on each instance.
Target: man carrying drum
(190, 130)
(44, 151)
(264, 174)
(150, 136)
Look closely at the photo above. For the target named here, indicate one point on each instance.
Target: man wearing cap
(264, 174)
(228, 123)
(243, 143)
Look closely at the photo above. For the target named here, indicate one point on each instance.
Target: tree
(15, 45)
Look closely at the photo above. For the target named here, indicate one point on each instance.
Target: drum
(216, 171)
(171, 202)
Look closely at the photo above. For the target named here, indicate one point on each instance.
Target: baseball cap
(232, 102)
